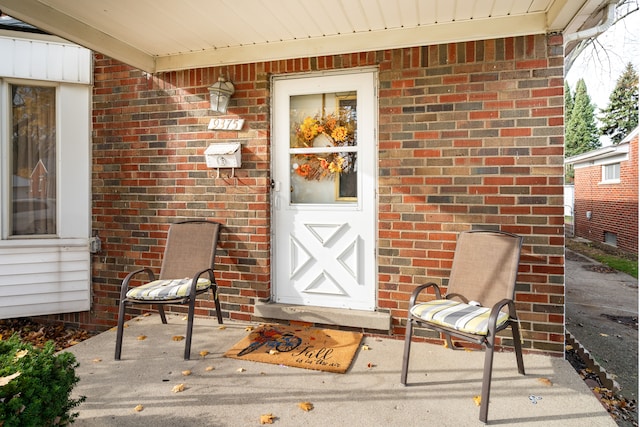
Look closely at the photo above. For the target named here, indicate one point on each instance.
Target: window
(611, 173)
(611, 238)
(33, 160)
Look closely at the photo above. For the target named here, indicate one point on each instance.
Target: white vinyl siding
(42, 275)
(39, 279)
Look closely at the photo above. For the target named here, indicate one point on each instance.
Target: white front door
(324, 197)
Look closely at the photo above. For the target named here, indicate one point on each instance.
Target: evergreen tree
(621, 115)
(568, 101)
(581, 133)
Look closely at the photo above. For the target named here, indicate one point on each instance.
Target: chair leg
(190, 315)
(517, 345)
(216, 300)
(407, 350)
(162, 315)
(120, 332)
(449, 341)
(486, 382)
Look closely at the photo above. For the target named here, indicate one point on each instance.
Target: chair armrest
(194, 282)
(495, 310)
(125, 283)
(416, 292)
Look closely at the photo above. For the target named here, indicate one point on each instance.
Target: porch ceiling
(163, 35)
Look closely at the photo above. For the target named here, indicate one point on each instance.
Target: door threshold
(324, 315)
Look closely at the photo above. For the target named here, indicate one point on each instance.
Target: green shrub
(40, 394)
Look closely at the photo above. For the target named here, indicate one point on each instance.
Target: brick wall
(470, 135)
(614, 207)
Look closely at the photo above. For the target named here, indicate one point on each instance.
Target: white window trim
(602, 174)
(41, 275)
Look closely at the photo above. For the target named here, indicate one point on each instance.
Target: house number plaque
(226, 124)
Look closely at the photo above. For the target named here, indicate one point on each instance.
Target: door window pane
(33, 160)
(323, 148)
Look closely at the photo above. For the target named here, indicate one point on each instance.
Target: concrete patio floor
(442, 384)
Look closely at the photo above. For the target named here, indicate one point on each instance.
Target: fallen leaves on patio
(178, 388)
(305, 406)
(545, 381)
(138, 408)
(177, 338)
(267, 419)
(142, 337)
(203, 353)
(209, 368)
(477, 400)
(365, 347)
(186, 373)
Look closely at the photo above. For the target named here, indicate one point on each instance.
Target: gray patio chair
(187, 270)
(479, 301)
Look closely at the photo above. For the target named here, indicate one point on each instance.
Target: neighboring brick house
(460, 126)
(606, 194)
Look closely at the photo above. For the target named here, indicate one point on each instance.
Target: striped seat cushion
(457, 315)
(162, 290)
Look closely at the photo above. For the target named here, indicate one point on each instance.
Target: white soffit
(162, 35)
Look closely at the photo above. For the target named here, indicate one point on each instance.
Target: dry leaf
(8, 378)
(185, 318)
(186, 373)
(178, 388)
(142, 337)
(146, 314)
(603, 335)
(222, 327)
(97, 360)
(177, 337)
(305, 406)
(267, 419)
(209, 368)
(545, 381)
(249, 328)
(126, 325)
(568, 347)
(273, 351)
(74, 342)
(138, 408)
(240, 370)
(203, 353)
(446, 345)
(370, 365)
(477, 400)
(365, 347)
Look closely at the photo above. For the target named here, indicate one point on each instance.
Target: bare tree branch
(623, 9)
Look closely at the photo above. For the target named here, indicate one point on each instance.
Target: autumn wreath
(332, 130)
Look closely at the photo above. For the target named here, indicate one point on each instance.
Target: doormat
(301, 347)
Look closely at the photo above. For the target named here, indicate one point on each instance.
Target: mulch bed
(622, 410)
(37, 334)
